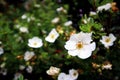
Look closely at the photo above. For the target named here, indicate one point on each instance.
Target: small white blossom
(3, 71)
(24, 29)
(17, 26)
(63, 76)
(1, 50)
(59, 9)
(104, 7)
(28, 19)
(37, 5)
(24, 16)
(38, 24)
(35, 42)
(21, 67)
(53, 71)
(3, 65)
(108, 40)
(68, 23)
(55, 20)
(29, 69)
(52, 36)
(107, 66)
(92, 13)
(80, 45)
(28, 55)
(73, 73)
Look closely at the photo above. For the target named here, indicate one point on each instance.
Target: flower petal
(70, 45)
(83, 54)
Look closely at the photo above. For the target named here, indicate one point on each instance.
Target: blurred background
(10, 14)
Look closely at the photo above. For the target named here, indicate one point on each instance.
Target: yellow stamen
(107, 40)
(75, 73)
(52, 36)
(79, 45)
(35, 44)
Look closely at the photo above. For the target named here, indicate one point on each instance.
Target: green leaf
(21, 77)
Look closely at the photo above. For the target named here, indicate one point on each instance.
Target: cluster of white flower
(73, 75)
(82, 45)
(28, 18)
(55, 72)
(36, 42)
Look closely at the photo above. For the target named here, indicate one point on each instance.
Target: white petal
(113, 38)
(85, 37)
(70, 45)
(73, 52)
(61, 76)
(74, 37)
(91, 46)
(83, 54)
(73, 73)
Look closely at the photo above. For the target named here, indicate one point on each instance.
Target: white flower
(23, 29)
(53, 71)
(24, 16)
(73, 73)
(55, 20)
(108, 40)
(104, 7)
(28, 19)
(68, 23)
(59, 9)
(21, 67)
(80, 45)
(1, 50)
(29, 69)
(92, 13)
(28, 55)
(17, 26)
(37, 5)
(52, 36)
(35, 42)
(3, 65)
(107, 66)
(3, 71)
(38, 24)
(63, 76)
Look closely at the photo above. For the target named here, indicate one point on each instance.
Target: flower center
(75, 73)
(35, 44)
(79, 45)
(52, 36)
(107, 40)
